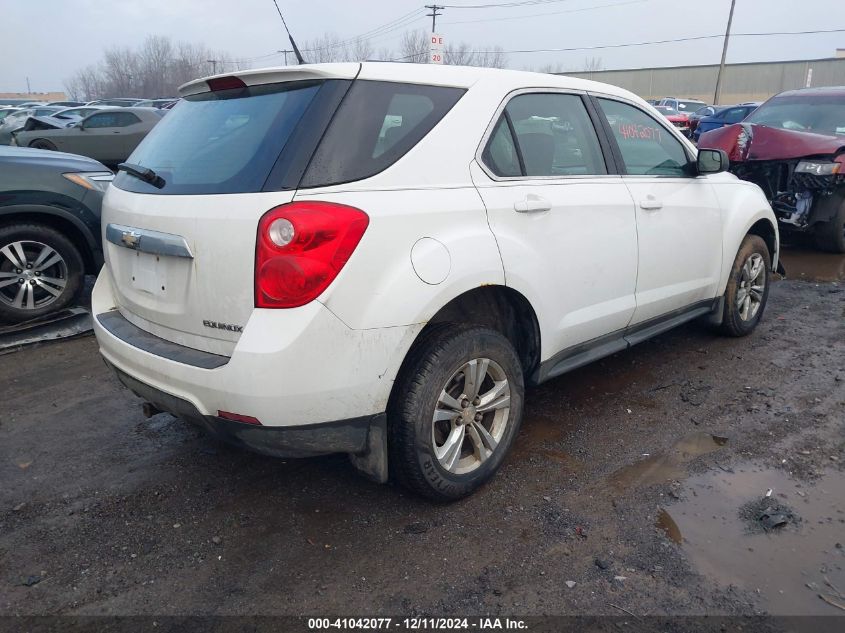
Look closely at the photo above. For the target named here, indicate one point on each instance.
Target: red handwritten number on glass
(632, 131)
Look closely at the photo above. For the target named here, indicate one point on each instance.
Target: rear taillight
(300, 249)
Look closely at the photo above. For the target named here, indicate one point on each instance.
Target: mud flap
(50, 327)
(717, 314)
(372, 462)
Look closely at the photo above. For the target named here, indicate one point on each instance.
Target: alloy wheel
(751, 287)
(32, 274)
(471, 416)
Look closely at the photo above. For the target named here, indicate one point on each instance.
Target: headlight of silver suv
(817, 168)
(98, 180)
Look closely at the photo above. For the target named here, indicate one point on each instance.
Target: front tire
(41, 271)
(748, 287)
(41, 143)
(455, 410)
(830, 235)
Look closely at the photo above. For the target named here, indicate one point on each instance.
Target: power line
(502, 5)
(680, 39)
(537, 15)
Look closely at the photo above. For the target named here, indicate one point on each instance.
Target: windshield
(221, 142)
(667, 110)
(820, 115)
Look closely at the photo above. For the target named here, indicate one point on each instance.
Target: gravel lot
(629, 489)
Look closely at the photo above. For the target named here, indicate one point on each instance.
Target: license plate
(149, 274)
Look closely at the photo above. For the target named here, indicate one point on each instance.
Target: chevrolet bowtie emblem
(130, 239)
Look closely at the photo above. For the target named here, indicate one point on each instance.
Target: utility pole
(285, 51)
(213, 63)
(433, 15)
(28, 89)
(718, 93)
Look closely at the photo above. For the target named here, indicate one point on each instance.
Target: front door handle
(650, 203)
(532, 204)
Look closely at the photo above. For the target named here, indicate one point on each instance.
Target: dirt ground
(636, 485)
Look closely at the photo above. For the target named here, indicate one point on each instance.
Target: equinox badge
(223, 326)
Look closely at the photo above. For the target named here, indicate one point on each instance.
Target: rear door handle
(532, 204)
(650, 203)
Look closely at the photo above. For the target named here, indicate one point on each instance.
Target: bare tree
(155, 69)
(492, 58)
(592, 64)
(413, 46)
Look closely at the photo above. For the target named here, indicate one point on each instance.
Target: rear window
(377, 123)
(222, 142)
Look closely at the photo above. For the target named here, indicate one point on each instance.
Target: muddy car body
(793, 148)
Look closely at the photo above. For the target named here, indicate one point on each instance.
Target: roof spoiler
(270, 75)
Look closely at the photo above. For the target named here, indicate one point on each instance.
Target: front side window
(107, 119)
(553, 137)
(647, 148)
(501, 155)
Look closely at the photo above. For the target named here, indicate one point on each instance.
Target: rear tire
(455, 410)
(830, 235)
(748, 287)
(41, 271)
(41, 143)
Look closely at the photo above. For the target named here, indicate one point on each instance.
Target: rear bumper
(289, 369)
(340, 436)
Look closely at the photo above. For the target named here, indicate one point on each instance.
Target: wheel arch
(41, 138)
(500, 308)
(765, 229)
(746, 212)
(63, 222)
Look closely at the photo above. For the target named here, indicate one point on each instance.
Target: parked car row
(693, 117)
(107, 134)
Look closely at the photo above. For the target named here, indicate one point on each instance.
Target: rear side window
(735, 115)
(554, 137)
(377, 123)
(221, 142)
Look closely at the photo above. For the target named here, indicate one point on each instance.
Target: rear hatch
(180, 225)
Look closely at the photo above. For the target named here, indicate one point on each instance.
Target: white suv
(378, 258)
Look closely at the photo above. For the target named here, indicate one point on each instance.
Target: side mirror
(712, 161)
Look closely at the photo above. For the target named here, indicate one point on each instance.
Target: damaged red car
(793, 148)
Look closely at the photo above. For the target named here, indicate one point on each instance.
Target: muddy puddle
(668, 466)
(807, 265)
(789, 566)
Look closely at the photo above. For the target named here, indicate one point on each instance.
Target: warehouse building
(741, 82)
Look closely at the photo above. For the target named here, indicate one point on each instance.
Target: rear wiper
(142, 173)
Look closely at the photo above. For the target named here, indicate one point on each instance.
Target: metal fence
(741, 82)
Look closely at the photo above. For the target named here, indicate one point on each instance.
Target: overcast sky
(48, 41)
